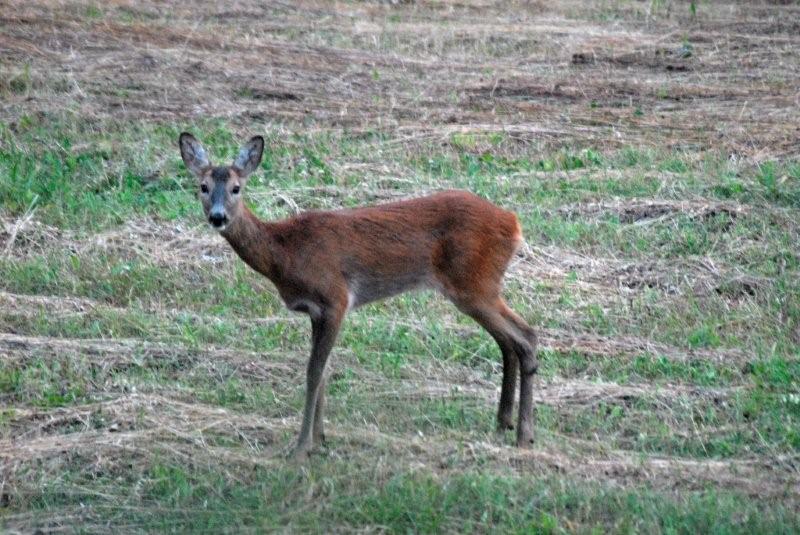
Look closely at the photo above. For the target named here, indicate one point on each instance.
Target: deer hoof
(525, 443)
(299, 454)
(502, 427)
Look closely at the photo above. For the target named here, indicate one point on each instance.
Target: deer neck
(252, 240)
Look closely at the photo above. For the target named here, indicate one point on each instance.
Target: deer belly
(366, 289)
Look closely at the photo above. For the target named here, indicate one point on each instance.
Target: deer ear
(249, 156)
(193, 153)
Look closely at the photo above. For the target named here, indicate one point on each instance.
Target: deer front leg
(325, 328)
(318, 434)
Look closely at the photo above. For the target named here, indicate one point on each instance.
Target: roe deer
(325, 263)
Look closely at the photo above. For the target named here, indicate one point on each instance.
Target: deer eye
(235, 190)
(203, 188)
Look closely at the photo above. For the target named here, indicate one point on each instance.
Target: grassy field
(149, 381)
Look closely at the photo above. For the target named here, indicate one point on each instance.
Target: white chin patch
(219, 228)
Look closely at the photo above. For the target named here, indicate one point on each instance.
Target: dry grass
(641, 390)
(438, 69)
(140, 425)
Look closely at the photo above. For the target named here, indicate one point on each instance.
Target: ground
(149, 381)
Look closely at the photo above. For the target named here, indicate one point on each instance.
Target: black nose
(217, 219)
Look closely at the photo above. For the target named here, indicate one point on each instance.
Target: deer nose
(217, 218)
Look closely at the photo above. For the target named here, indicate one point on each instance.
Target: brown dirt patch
(647, 210)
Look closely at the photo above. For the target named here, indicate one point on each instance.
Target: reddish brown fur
(324, 263)
(463, 241)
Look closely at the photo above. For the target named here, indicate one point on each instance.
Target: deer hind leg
(529, 364)
(505, 411)
(517, 344)
(522, 328)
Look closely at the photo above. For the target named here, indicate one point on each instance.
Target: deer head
(221, 186)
